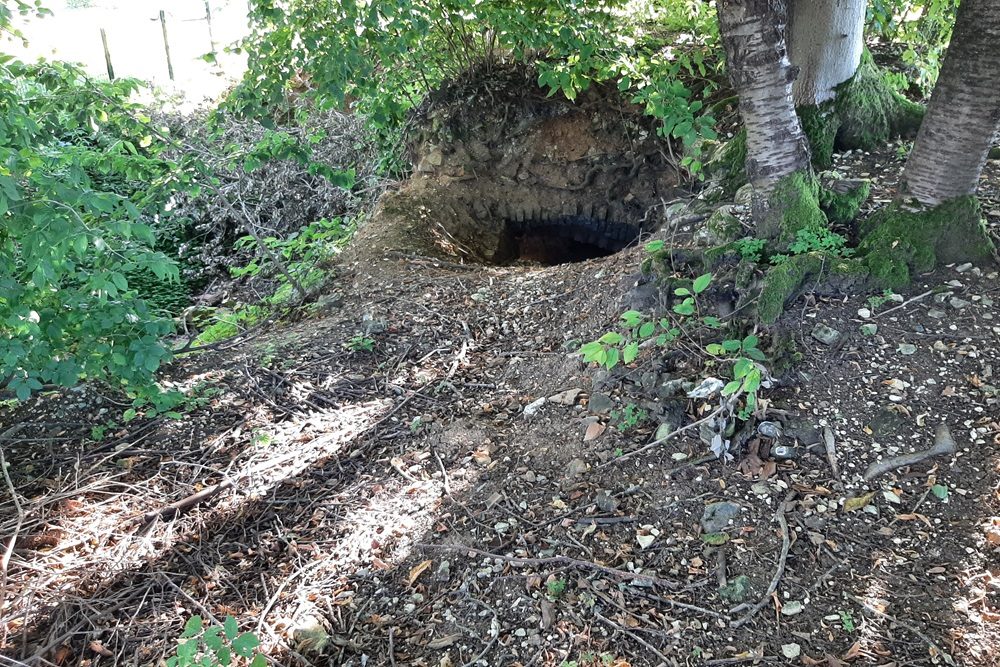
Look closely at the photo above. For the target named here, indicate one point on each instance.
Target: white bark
(963, 114)
(826, 38)
(753, 34)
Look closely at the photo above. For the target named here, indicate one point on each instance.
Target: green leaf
(245, 644)
(682, 291)
(715, 539)
(655, 246)
(686, 308)
(258, 661)
(611, 338)
(630, 352)
(647, 329)
(193, 625)
(701, 283)
(755, 353)
(712, 321)
(230, 628)
(741, 368)
(212, 638)
(940, 491)
(612, 358)
(631, 318)
(714, 349)
(731, 388)
(750, 341)
(128, 416)
(731, 345)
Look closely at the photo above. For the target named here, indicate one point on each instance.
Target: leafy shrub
(383, 58)
(216, 646)
(80, 181)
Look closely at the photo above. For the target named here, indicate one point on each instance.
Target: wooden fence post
(166, 44)
(107, 55)
(208, 19)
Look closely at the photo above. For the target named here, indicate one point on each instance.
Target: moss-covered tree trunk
(753, 35)
(825, 43)
(937, 217)
(842, 97)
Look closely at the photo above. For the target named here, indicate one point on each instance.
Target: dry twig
(943, 445)
(786, 543)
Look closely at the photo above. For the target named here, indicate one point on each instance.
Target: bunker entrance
(562, 240)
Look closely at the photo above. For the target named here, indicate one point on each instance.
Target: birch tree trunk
(826, 39)
(753, 34)
(963, 113)
(936, 218)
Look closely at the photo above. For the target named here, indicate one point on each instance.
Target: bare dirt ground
(399, 506)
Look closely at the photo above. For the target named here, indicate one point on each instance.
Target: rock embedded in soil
(717, 516)
(826, 335)
(600, 403)
(605, 501)
(567, 397)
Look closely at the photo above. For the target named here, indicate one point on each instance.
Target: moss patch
(871, 111)
(785, 281)
(898, 241)
(841, 199)
(730, 163)
(792, 205)
(820, 124)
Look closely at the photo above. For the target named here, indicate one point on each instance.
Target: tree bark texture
(753, 34)
(955, 137)
(826, 38)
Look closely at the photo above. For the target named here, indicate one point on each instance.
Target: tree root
(786, 543)
(943, 444)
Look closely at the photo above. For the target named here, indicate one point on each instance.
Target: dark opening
(564, 239)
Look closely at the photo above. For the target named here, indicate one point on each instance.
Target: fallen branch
(564, 561)
(616, 626)
(944, 444)
(668, 436)
(184, 504)
(906, 303)
(786, 543)
(9, 549)
(831, 452)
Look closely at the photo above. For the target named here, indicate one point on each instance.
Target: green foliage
(822, 240)
(846, 620)
(359, 343)
(303, 252)
(383, 58)
(554, 588)
(743, 354)
(80, 180)
(749, 248)
(229, 323)
(216, 646)
(628, 418)
(922, 28)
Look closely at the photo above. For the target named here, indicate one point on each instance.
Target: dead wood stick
(668, 436)
(831, 452)
(616, 626)
(9, 549)
(943, 444)
(565, 561)
(906, 303)
(179, 506)
(779, 571)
